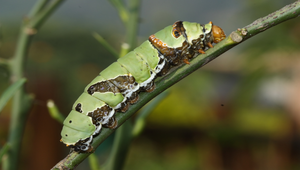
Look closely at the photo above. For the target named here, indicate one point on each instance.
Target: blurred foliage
(238, 112)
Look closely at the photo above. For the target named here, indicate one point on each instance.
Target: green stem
(132, 24)
(123, 135)
(3, 150)
(54, 112)
(122, 141)
(286, 13)
(123, 13)
(43, 14)
(139, 123)
(238, 36)
(124, 50)
(22, 101)
(105, 44)
(38, 6)
(20, 105)
(93, 162)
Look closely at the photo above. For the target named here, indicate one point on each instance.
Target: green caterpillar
(116, 87)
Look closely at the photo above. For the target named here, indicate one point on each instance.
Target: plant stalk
(22, 102)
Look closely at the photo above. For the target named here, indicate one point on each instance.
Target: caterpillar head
(217, 33)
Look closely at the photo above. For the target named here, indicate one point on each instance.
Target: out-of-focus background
(239, 112)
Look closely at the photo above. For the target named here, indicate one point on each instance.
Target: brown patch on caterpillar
(134, 98)
(172, 55)
(98, 114)
(168, 53)
(123, 82)
(112, 123)
(150, 87)
(82, 147)
(102, 87)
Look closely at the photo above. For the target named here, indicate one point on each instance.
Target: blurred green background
(239, 112)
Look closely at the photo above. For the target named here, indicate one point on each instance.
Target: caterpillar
(118, 86)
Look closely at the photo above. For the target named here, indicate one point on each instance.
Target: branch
(123, 13)
(140, 120)
(54, 112)
(123, 135)
(21, 100)
(105, 44)
(236, 37)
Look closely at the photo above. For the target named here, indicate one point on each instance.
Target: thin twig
(38, 6)
(105, 44)
(140, 121)
(54, 112)
(124, 49)
(122, 141)
(123, 135)
(123, 13)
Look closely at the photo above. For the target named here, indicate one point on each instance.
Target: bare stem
(105, 44)
(21, 100)
(123, 13)
(123, 135)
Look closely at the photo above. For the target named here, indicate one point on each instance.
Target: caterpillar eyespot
(176, 34)
(118, 86)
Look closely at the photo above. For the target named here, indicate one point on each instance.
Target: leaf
(141, 118)
(94, 164)
(10, 91)
(4, 150)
